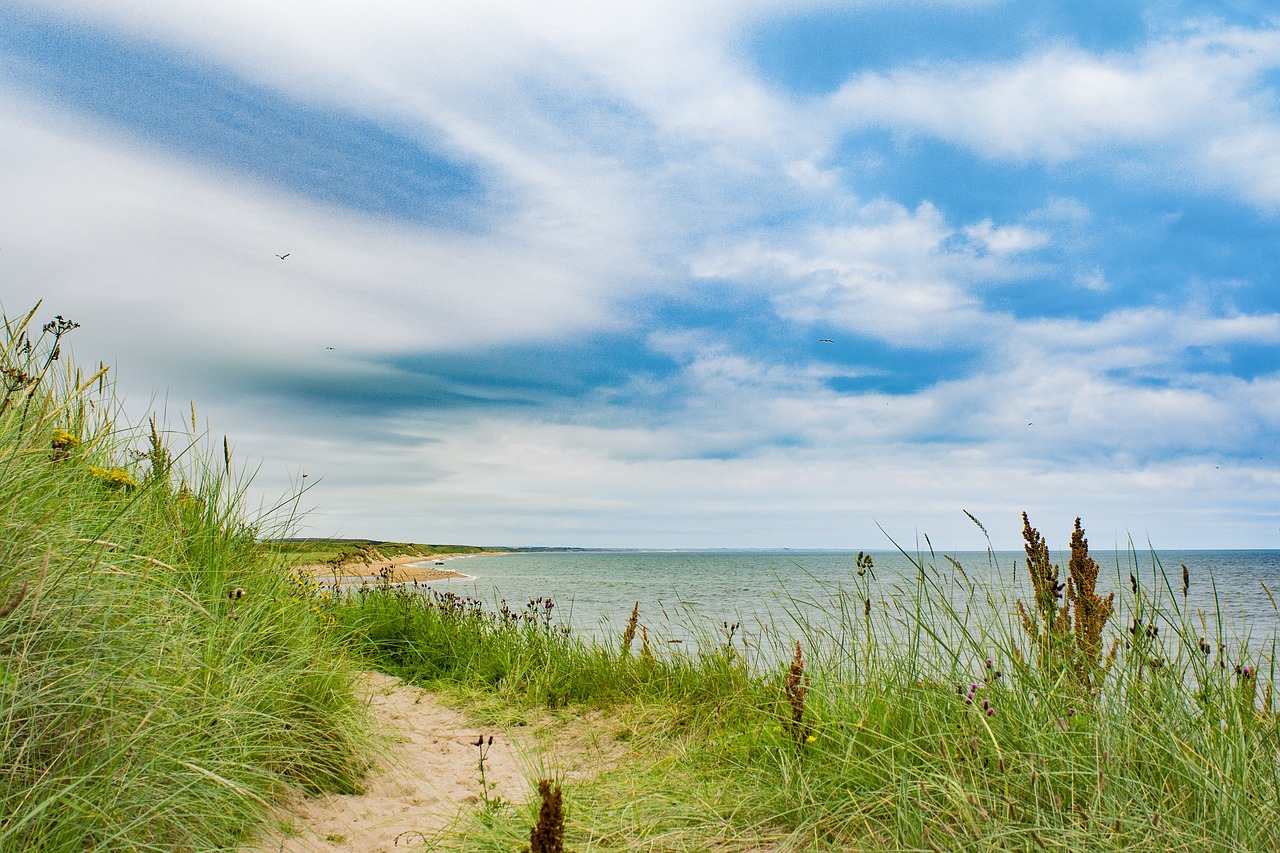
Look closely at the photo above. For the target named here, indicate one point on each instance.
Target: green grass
(162, 677)
(165, 676)
(1162, 747)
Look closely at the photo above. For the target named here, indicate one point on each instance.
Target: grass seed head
(629, 635)
(547, 835)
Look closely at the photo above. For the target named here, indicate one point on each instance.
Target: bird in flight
(328, 347)
(825, 341)
(285, 255)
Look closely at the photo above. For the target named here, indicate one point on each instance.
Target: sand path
(430, 775)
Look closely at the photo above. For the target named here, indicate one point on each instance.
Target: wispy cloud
(590, 276)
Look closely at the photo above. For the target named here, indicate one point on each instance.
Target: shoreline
(404, 569)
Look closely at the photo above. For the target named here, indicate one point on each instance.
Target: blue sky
(561, 273)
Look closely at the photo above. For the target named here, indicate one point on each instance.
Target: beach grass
(166, 674)
(163, 678)
(937, 714)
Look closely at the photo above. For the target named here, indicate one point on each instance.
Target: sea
(691, 593)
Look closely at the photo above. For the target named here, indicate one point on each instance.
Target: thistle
(485, 785)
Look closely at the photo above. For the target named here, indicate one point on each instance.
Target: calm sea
(594, 591)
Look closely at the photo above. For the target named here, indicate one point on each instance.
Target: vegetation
(164, 675)
(344, 554)
(943, 716)
(162, 678)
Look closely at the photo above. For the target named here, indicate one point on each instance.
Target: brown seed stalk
(629, 635)
(547, 835)
(797, 686)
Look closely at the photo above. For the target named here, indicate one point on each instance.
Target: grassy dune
(343, 553)
(162, 678)
(943, 716)
(165, 675)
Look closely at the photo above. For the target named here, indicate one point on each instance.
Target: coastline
(406, 568)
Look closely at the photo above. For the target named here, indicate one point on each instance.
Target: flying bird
(825, 341)
(285, 255)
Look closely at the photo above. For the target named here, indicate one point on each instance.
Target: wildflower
(63, 443)
(990, 663)
(811, 739)
(991, 712)
(115, 478)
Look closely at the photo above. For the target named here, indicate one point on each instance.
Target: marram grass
(941, 715)
(162, 679)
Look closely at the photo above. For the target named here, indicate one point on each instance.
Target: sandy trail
(431, 775)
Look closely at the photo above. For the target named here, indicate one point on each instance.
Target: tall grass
(934, 714)
(162, 678)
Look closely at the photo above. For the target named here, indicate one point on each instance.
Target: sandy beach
(404, 569)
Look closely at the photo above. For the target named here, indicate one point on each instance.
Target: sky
(706, 273)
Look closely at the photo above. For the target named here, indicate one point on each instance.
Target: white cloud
(1007, 240)
(892, 274)
(169, 255)
(618, 134)
(1188, 105)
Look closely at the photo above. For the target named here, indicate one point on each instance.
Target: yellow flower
(116, 478)
(811, 739)
(62, 438)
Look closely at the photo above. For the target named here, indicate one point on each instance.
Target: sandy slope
(431, 773)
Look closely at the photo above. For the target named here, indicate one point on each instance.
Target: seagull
(285, 255)
(328, 347)
(825, 341)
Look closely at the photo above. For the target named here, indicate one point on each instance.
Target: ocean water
(594, 591)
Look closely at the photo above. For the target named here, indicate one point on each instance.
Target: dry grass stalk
(797, 686)
(629, 635)
(646, 651)
(1090, 611)
(14, 601)
(547, 835)
(1048, 623)
(1068, 635)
